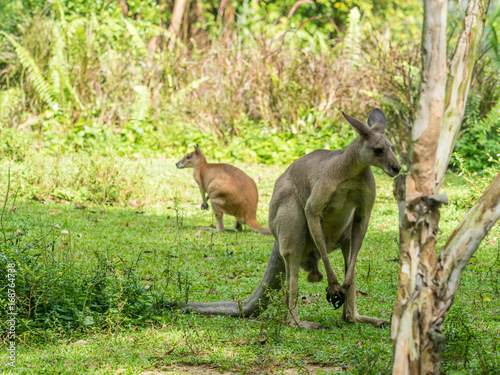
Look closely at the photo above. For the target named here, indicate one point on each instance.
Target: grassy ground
(154, 224)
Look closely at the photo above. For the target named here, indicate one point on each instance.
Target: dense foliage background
(256, 80)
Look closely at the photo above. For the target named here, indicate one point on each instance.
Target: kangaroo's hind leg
(219, 214)
(350, 310)
(288, 224)
(220, 223)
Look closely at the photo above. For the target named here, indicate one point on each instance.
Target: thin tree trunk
(416, 350)
(429, 115)
(185, 24)
(427, 285)
(123, 4)
(177, 16)
(459, 81)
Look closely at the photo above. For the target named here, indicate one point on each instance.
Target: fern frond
(492, 118)
(73, 26)
(137, 41)
(353, 37)
(42, 88)
(142, 104)
(59, 77)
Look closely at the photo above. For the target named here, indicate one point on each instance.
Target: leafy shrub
(479, 143)
(55, 292)
(78, 178)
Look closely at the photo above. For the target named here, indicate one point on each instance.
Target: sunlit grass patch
(154, 236)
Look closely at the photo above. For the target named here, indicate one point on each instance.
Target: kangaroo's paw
(368, 319)
(336, 295)
(204, 206)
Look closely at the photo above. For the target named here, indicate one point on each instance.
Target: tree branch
(463, 243)
(458, 83)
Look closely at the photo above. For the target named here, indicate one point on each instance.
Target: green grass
(154, 221)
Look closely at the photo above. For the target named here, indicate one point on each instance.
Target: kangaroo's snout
(393, 170)
(396, 169)
(178, 164)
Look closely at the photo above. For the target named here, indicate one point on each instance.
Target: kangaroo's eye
(378, 151)
(188, 157)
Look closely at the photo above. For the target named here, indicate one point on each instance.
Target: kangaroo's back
(231, 189)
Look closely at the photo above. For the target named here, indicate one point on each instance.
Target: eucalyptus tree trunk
(426, 284)
(123, 4)
(413, 310)
(177, 16)
(459, 80)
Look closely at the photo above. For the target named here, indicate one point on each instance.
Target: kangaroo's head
(190, 159)
(374, 147)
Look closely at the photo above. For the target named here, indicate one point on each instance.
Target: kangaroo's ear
(359, 126)
(197, 149)
(376, 120)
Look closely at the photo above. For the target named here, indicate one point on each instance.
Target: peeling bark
(458, 83)
(427, 125)
(462, 244)
(427, 285)
(414, 308)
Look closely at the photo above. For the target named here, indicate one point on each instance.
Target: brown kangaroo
(229, 189)
(321, 203)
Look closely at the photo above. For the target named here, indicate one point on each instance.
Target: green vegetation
(95, 279)
(79, 76)
(96, 105)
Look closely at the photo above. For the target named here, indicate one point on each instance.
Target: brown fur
(229, 189)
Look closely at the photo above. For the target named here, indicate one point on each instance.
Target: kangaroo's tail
(252, 223)
(273, 279)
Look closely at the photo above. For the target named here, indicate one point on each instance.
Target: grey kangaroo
(321, 203)
(230, 190)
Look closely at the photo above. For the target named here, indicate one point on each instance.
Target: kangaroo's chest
(337, 214)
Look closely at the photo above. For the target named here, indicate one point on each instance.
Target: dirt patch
(182, 369)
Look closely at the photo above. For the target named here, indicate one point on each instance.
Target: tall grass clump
(58, 295)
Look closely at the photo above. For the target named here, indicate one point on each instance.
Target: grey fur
(321, 203)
